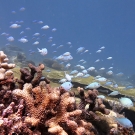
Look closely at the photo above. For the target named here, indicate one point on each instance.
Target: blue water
(90, 23)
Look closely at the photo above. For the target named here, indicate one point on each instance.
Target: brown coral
(37, 100)
(90, 98)
(37, 108)
(32, 76)
(53, 108)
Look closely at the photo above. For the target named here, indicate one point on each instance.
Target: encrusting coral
(36, 108)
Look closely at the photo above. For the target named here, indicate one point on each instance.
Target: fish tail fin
(38, 49)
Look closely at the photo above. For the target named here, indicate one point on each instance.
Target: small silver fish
(124, 122)
(126, 102)
(98, 51)
(22, 9)
(102, 47)
(45, 27)
(80, 49)
(43, 51)
(109, 58)
(11, 39)
(93, 85)
(40, 22)
(67, 86)
(86, 76)
(54, 29)
(114, 93)
(36, 34)
(79, 75)
(14, 26)
(23, 40)
(36, 43)
(73, 72)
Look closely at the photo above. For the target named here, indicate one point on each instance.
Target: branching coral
(63, 116)
(89, 105)
(6, 75)
(32, 76)
(35, 108)
(38, 100)
(91, 99)
(4, 60)
(54, 108)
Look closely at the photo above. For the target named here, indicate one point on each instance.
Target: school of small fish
(61, 52)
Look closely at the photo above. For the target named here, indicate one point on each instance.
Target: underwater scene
(67, 67)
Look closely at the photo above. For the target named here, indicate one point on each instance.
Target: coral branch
(6, 75)
(33, 76)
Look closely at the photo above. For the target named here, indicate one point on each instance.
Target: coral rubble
(30, 106)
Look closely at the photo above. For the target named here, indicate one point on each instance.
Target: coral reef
(33, 107)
